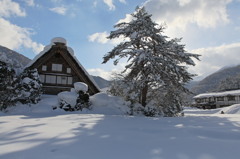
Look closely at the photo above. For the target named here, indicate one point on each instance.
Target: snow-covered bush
(28, 86)
(76, 99)
(171, 102)
(108, 104)
(163, 101)
(80, 86)
(7, 94)
(125, 89)
(24, 87)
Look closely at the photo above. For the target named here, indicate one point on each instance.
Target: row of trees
(156, 72)
(25, 87)
(230, 83)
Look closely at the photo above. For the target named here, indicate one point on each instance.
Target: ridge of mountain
(14, 58)
(211, 82)
(101, 82)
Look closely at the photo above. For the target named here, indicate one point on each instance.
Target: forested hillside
(224, 79)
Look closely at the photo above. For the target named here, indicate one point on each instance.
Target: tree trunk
(144, 95)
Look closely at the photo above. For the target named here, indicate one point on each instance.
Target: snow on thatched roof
(71, 52)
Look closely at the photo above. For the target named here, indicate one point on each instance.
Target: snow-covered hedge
(76, 99)
(80, 86)
(106, 104)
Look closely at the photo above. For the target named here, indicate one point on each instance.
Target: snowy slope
(102, 83)
(92, 136)
(234, 109)
(16, 59)
(101, 104)
(39, 132)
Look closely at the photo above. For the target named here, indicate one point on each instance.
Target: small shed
(59, 69)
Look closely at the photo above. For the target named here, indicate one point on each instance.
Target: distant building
(217, 99)
(59, 69)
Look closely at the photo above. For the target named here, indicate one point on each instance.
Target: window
(220, 98)
(206, 99)
(231, 98)
(70, 80)
(64, 80)
(57, 67)
(44, 68)
(68, 70)
(42, 78)
(198, 100)
(50, 79)
(212, 99)
(61, 80)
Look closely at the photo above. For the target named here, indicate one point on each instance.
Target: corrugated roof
(218, 94)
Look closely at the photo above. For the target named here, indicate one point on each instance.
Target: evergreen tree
(230, 83)
(154, 62)
(28, 86)
(7, 75)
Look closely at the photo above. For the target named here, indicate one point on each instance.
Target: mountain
(13, 58)
(101, 82)
(212, 82)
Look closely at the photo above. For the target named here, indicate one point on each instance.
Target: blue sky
(210, 28)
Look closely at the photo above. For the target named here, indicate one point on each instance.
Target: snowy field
(39, 132)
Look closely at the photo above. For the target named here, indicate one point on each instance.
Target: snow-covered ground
(39, 132)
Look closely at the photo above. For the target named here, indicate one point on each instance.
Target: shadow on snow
(87, 136)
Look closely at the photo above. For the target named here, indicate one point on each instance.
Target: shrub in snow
(7, 94)
(76, 99)
(151, 110)
(171, 103)
(28, 86)
(67, 100)
(108, 104)
(80, 86)
(124, 88)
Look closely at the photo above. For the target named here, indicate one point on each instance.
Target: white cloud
(100, 72)
(13, 37)
(95, 4)
(183, 2)
(127, 19)
(110, 4)
(56, 1)
(187, 18)
(59, 10)
(9, 8)
(110, 73)
(123, 1)
(102, 38)
(214, 58)
(180, 13)
(30, 2)
(99, 37)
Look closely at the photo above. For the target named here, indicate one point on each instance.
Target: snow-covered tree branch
(154, 62)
